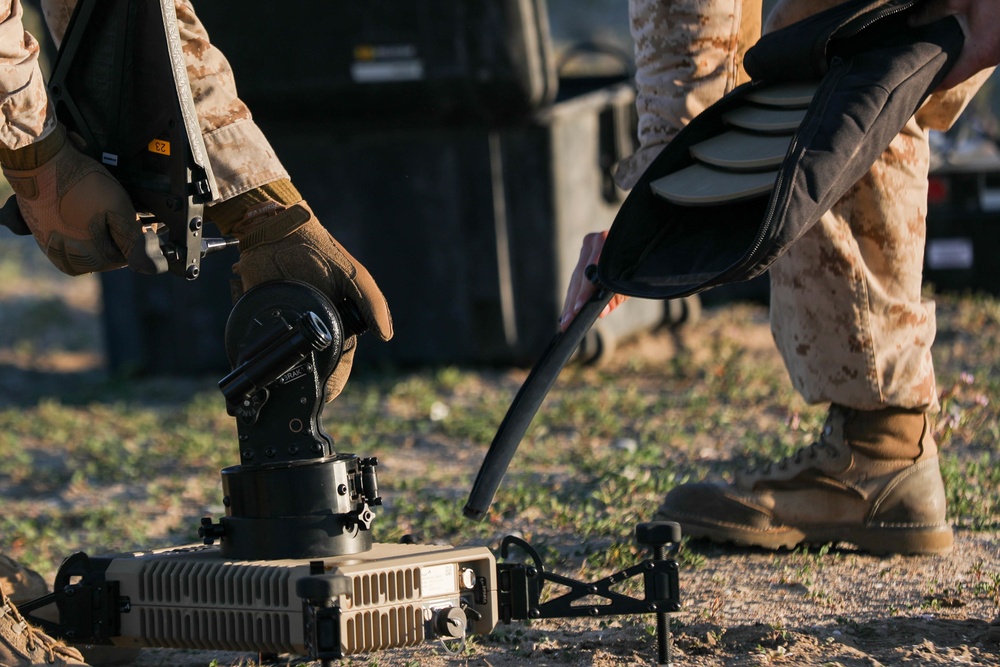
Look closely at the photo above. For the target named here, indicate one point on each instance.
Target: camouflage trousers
(240, 155)
(847, 311)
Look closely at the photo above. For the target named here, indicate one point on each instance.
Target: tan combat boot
(22, 645)
(872, 480)
(19, 583)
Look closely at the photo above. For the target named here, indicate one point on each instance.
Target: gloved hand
(80, 216)
(293, 245)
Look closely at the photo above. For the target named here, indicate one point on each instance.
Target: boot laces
(801, 456)
(33, 637)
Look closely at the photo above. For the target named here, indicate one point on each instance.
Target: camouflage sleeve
(23, 97)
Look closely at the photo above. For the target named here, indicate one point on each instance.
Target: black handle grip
(526, 403)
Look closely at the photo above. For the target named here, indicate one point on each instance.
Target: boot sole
(879, 540)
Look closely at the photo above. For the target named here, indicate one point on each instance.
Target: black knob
(658, 533)
(210, 532)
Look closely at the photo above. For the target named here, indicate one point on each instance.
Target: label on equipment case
(436, 580)
(953, 253)
(386, 63)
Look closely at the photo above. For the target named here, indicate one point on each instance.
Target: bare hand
(978, 19)
(580, 287)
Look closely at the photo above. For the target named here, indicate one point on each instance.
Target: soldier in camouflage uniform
(84, 222)
(846, 308)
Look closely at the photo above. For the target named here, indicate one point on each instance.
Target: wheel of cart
(682, 312)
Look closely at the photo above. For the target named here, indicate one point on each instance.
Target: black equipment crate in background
(471, 222)
(472, 231)
(435, 58)
(963, 225)
(165, 325)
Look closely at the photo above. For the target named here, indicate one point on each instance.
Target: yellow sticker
(159, 146)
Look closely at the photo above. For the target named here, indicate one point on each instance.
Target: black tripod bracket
(521, 586)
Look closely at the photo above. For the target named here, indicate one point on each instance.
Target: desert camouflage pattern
(23, 100)
(846, 307)
(240, 155)
(688, 53)
(847, 312)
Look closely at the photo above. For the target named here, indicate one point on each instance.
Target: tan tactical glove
(287, 242)
(80, 216)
